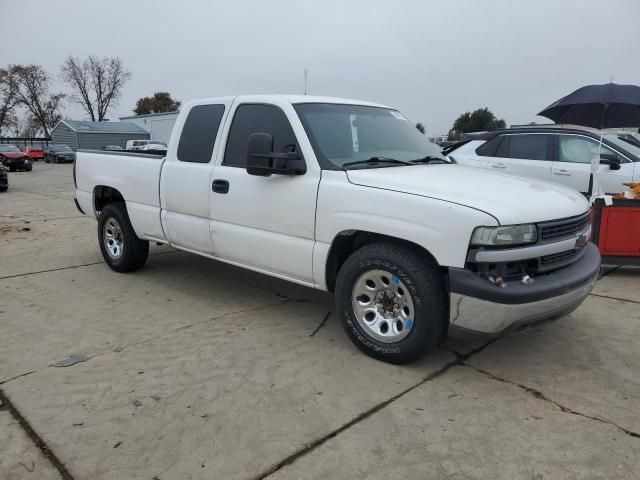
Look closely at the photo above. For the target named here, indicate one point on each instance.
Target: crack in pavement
(324, 320)
(155, 337)
(310, 447)
(17, 376)
(615, 298)
(72, 267)
(541, 396)
(37, 440)
(185, 327)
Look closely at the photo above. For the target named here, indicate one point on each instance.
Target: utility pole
(305, 80)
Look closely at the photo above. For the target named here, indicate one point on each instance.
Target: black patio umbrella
(598, 106)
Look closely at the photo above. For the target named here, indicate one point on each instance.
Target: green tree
(420, 127)
(481, 120)
(160, 102)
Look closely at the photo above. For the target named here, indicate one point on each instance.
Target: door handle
(220, 186)
(565, 173)
(498, 165)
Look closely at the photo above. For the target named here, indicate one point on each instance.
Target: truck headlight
(504, 235)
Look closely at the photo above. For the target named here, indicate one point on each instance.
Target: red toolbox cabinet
(616, 231)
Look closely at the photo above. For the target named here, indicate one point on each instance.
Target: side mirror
(610, 159)
(263, 161)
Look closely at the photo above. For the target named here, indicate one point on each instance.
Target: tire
(4, 189)
(114, 228)
(413, 281)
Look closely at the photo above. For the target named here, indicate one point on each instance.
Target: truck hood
(510, 199)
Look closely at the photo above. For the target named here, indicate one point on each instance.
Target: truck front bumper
(481, 306)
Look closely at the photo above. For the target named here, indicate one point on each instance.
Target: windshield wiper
(376, 161)
(429, 159)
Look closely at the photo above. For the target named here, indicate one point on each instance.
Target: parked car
(113, 148)
(556, 155)
(136, 144)
(348, 197)
(154, 145)
(4, 178)
(12, 158)
(34, 153)
(146, 145)
(59, 154)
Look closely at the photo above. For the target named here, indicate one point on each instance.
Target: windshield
(62, 148)
(628, 141)
(342, 134)
(8, 148)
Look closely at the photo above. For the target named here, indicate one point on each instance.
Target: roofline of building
(101, 132)
(149, 115)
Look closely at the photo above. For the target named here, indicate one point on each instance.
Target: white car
(153, 145)
(146, 145)
(556, 155)
(349, 197)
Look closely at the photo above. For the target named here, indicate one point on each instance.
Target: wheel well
(103, 195)
(347, 242)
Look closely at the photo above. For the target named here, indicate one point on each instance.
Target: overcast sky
(431, 59)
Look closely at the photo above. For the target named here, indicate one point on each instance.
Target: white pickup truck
(349, 197)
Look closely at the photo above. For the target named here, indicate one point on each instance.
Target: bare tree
(8, 100)
(34, 94)
(96, 83)
(28, 127)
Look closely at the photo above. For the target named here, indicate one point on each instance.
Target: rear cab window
(199, 133)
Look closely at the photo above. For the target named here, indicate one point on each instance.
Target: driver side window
(258, 118)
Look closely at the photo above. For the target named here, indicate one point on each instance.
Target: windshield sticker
(399, 116)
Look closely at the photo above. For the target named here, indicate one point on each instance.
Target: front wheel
(121, 249)
(392, 302)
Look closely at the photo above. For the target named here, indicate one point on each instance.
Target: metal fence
(22, 142)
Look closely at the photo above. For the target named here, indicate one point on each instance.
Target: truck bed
(135, 175)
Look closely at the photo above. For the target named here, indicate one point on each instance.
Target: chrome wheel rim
(112, 238)
(383, 306)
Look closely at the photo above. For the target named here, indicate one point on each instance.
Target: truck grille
(563, 228)
(561, 257)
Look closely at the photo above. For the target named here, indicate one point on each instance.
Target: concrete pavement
(194, 369)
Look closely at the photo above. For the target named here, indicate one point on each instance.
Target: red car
(34, 153)
(14, 159)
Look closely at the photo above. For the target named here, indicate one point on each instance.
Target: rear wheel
(392, 302)
(121, 249)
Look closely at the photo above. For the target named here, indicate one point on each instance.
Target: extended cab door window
(526, 154)
(258, 118)
(199, 133)
(186, 179)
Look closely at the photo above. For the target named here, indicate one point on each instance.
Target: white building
(159, 125)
